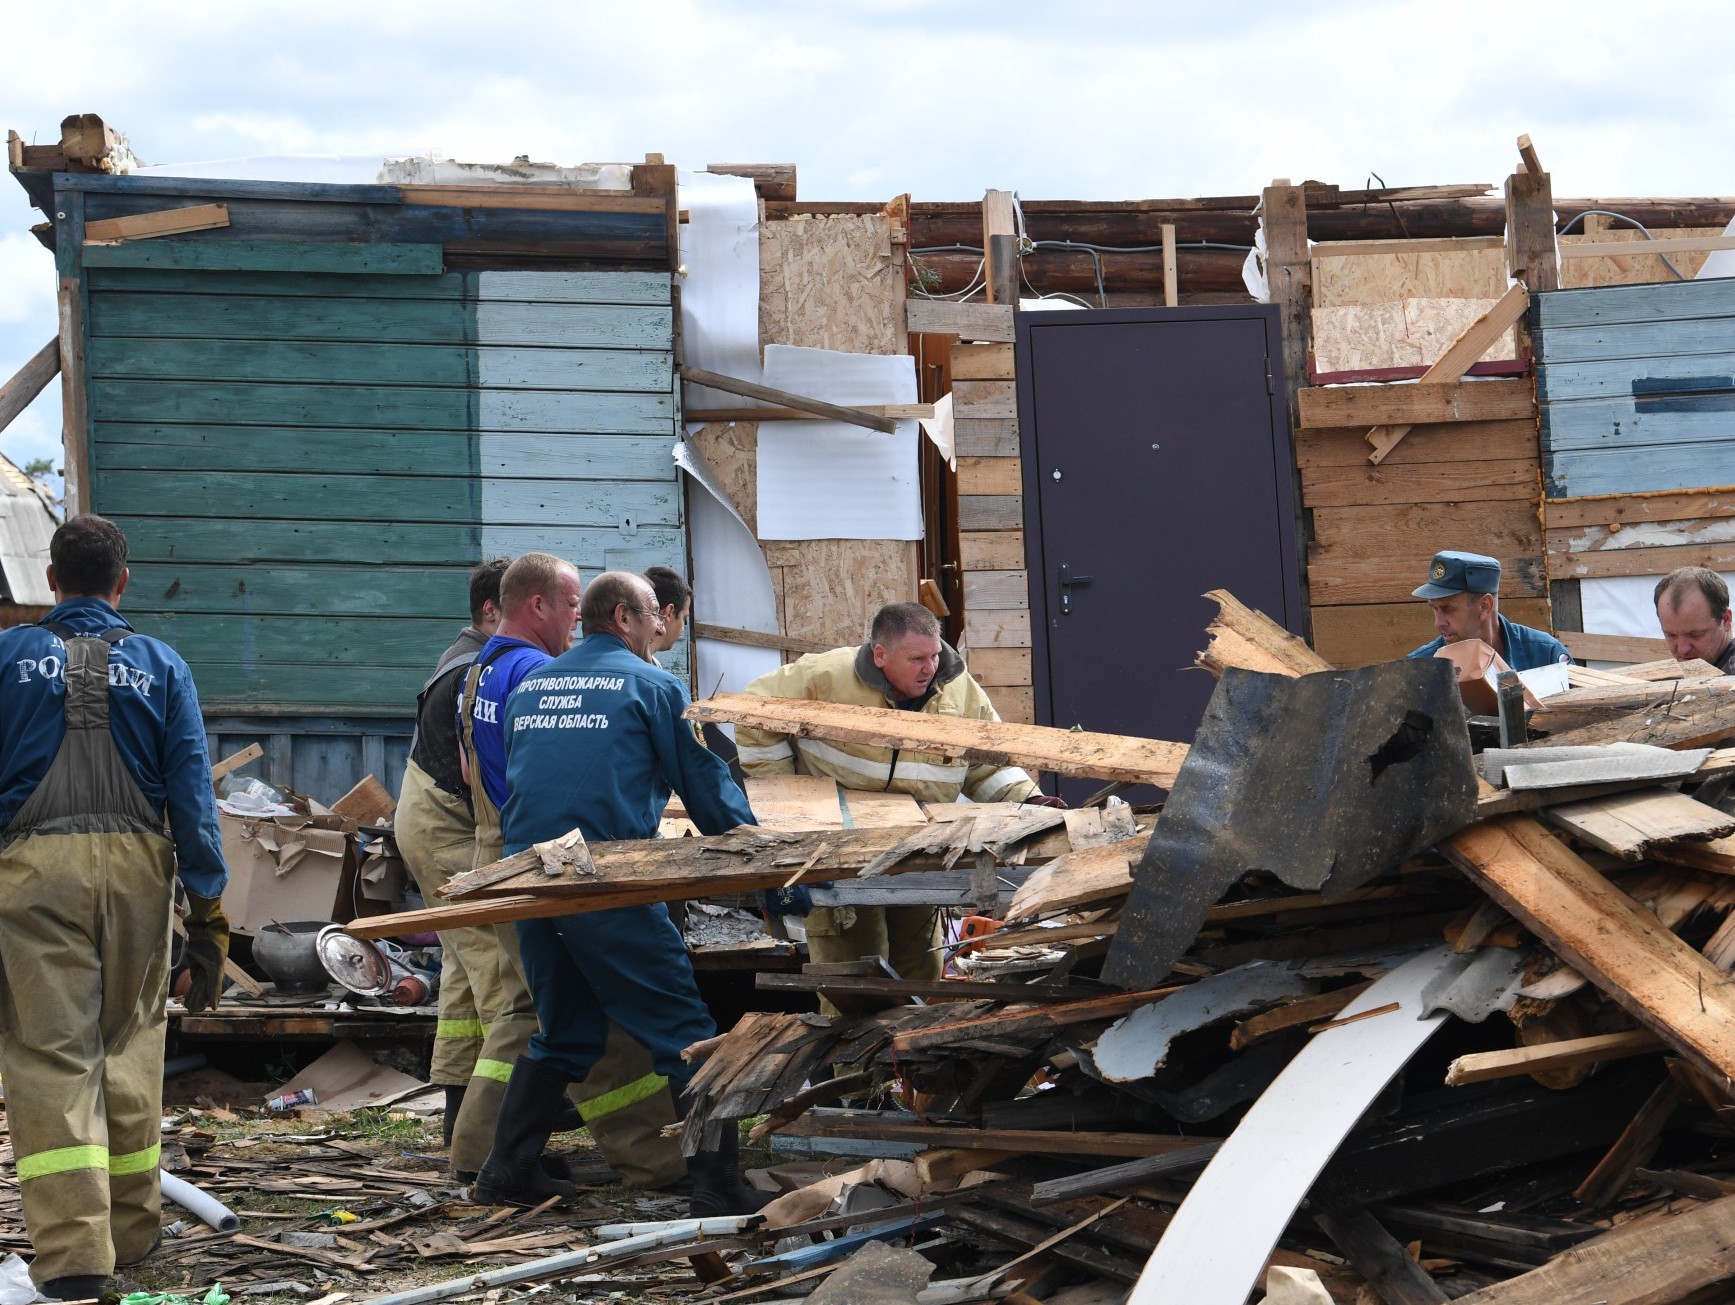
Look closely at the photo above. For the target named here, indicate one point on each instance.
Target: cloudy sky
(1093, 99)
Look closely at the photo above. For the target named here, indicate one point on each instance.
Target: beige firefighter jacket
(848, 675)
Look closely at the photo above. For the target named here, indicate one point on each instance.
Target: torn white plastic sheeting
(939, 431)
(731, 583)
(719, 285)
(828, 480)
(1622, 604)
(1136, 1045)
(1221, 1235)
(1720, 262)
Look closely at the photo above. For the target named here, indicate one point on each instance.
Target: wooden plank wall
(991, 526)
(824, 283)
(307, 464)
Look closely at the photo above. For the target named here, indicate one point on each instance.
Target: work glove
(207, 948)
(786, 901)
(1043, 800)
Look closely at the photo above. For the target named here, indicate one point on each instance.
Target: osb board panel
(831, 283)
(1386, 278)
(1405, 333)
(1014, 703)
(990, 475)
(1634, 269)
(732, 449)
(1361, 635)
(1463, 441)
(830, 588)
(1000, 666)
(982, 362)
(991, 550)
(1421, 482)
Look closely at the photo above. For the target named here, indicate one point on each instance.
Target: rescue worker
(674, 605)
(904, 664)
(436, 833)
(100, 739)
(1463, 589)
(1693, 610)
(625, 1104)
(595, 741)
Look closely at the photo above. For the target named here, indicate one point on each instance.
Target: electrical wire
(1095, 252)
(1630, 221)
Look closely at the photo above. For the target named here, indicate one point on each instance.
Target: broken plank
(1651, 1264)
(1480, 1066)
(1379, 1257)
(1035, 747)
(896, 1127)
(1387, 405)
(1095, 874)
(1716, 856)
(987, 322)
(31, 380)
(1635, 1146)
(1604, 935)
(1627, 824)
(784, 399)
(163, 222)
(1241, 636)
(1302, 1011)
(1038, 1020)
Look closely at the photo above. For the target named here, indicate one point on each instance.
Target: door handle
(1069, 582)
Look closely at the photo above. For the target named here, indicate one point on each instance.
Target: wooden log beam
(1605, 935)
(31, 380)
(784, 399)
(1035, 747)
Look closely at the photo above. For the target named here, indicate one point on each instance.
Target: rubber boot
(449, 1121)
(717, 1186)
(513, 1174)
(79, 1286)
(554, 1166)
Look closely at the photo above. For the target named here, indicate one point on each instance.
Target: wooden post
(74, 395)
(1171, 271)
(1530, 251)
(1000, 247)
(1289, 272)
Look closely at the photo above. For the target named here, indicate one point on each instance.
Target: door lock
(1069, 582)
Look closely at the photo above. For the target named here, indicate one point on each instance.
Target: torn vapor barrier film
(1325, 781)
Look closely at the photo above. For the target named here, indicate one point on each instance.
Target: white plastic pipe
(207, 1208)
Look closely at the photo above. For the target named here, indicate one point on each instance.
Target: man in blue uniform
(1463, 590)
(100, 739)
(595, 741)
(625, 1103)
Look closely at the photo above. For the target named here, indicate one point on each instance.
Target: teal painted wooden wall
(1637, 387)
(307, 463)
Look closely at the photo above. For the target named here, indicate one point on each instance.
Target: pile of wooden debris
(1425, 1025)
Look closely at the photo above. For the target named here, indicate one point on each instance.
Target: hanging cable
(1571, 222)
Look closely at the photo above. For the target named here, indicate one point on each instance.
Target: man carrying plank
(595, 741)
(906, 665)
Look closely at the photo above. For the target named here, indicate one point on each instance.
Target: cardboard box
(285, 868)
(1479, 668)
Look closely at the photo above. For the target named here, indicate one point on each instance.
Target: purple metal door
(1157, 466)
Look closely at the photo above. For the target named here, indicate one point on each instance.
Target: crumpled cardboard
(284, 868)
(1479, 668)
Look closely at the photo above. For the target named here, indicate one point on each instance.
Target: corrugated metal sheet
(27, 524)
(1637, 387)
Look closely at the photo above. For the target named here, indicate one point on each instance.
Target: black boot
(717, 1186)
(555, 1166)
(513, 1173)
(454, 1103)
(79, 1286)
(567, 1118)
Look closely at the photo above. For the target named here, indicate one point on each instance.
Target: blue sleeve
(1427, 649)
(714, 802)
(192, 806)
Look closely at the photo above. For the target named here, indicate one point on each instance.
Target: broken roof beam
(773, 181)
(31, 380)
(818, 408)
(1035, 747)
(1604, 935)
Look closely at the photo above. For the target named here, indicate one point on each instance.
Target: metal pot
(288, 954)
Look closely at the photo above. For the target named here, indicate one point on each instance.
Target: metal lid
(354, 962)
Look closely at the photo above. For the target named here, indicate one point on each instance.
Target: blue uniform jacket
(1526, 649)
(595, 741)
(499, 677)
(153, 716)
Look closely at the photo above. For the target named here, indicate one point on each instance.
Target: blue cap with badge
(1460, 573)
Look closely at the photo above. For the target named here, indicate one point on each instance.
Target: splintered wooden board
(1035, 747)
(806, 802)
(1628, 823)
(1212, 1251)
(1605, 935)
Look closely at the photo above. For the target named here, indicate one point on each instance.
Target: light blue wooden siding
(1637, 387)
(307, 463)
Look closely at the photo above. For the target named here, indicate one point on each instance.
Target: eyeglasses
(652, 615)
